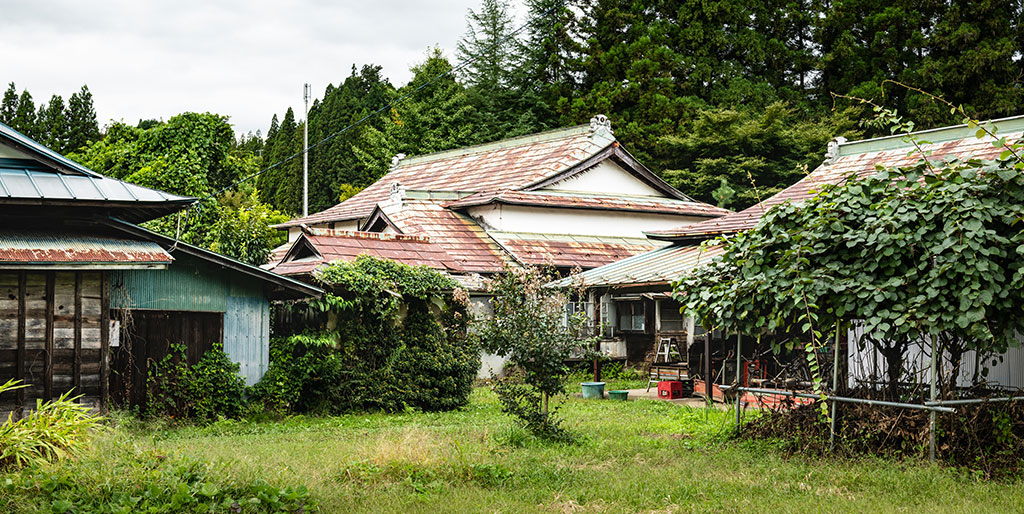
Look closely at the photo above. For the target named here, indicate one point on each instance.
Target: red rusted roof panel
(57, 247)
(508, 164)
(570, 254)
(348, 245)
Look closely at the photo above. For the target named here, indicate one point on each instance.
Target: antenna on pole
(305, 152)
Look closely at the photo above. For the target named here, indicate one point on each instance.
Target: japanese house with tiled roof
(569, 198)
(89, 299)
(635, 308)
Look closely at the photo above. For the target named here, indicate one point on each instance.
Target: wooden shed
(89, 299)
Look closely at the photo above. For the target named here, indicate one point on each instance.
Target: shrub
(205, 391)
(398, 341)
(304, 374)
(54, 430)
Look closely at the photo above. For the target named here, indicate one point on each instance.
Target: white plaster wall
(490, 364)
(590, 222)
(606, 177)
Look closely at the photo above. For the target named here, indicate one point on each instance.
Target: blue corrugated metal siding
(192, 285)
(247, 321)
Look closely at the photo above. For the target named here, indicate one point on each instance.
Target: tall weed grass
(54, 430)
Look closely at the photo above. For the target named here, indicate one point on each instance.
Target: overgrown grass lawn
(636, 456)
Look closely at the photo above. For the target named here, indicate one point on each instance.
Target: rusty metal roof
(508, 164)
(56, 248)
(570, 251)
(465, 241)
(320, 246)
(592, 201)
(656, 267)
(861, 158)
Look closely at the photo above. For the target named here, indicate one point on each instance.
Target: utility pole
(305, 152)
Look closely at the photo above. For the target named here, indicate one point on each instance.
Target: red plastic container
(670, 389)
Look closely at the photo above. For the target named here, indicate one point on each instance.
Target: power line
(388, 106)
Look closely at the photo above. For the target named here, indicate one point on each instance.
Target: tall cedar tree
(25, 116)
(81, 118)
(488, 48)
(544, 78)
(9, 105)
(359, 156)
(52, 125)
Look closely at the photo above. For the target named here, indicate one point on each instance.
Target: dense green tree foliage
(194, 155)
(701, 92)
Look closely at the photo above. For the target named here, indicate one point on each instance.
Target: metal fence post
(835, 387)
(931, 417)
(739, 375)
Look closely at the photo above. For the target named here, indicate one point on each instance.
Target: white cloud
(247, 60)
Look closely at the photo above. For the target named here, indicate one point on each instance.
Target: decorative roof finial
(600, 124)
(397, 160)
(397, 192)
(832, 154)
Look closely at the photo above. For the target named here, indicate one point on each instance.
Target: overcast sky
(247, 60)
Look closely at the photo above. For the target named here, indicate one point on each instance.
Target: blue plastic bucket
(592, 390)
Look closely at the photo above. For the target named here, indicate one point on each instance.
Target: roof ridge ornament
(600, 125)
(397, 192)
(832, 154)
(396, 161)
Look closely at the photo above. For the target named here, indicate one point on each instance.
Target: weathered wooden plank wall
(146, 338)
(51, 336)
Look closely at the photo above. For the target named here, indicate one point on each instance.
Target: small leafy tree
(531, 327)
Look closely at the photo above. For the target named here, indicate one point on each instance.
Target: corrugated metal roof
(342, 245)
(57, 247)
(465, 241)
(861, 158)
(656, 267)
(570, 250)
(592, 201)
(508, 164)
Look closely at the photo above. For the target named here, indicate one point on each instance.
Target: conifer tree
(9, 105)
(490, 49)
(52, 124)
(25, 116)
(81, 120)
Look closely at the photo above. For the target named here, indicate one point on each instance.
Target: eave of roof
(592, 201)
(288, 288)
(653, 268)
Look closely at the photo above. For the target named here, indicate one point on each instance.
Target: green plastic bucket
(592, 390)
(618, 395)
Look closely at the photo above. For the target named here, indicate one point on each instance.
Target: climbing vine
(929, 250)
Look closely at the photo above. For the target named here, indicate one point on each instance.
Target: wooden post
(78, 334)
(104, 339)
(22, 285)
(51, 279)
